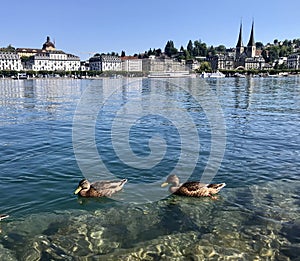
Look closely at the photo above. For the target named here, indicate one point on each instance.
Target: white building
(163, 64)
(131, 64)
(10, 61)
(53, 61)
(105, 63)
(49, 59)
(221, 62)
(257, 62)
(192, 65)
(293, 61)
(111, 63)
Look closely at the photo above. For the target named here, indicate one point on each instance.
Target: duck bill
(164, 184)
(77, 190)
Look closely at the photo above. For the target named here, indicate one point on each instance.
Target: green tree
(211, 51)
(200, 49)
(283, 51)
(259, 45)
(170, 49)
(190, 47)
(146, 55)
(205, 67)
(221, 48)
(158, 52)
(9, 49)
(274, 52)
(264, 54)
(123, 54)
(150, 52)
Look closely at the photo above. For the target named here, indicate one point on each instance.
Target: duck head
(84, 185)
(172, 179)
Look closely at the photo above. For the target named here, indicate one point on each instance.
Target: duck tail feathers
(123, 181)
(217, 186)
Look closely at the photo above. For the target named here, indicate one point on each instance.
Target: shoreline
(117, 75)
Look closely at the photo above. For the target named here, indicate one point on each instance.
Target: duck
(104, 188)
(3, 216)
(192, 188)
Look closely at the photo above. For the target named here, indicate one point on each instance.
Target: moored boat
(216, 74)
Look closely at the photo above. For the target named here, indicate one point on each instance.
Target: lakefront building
(105, 63)
(163, 64)
(10, 61)
(131, 64)
(48, 58)
(293, 61)
(53, 61)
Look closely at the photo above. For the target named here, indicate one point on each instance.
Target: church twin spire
(250, 50)
(251, 40)
(240, 39)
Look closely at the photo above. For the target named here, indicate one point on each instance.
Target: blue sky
(87, 26)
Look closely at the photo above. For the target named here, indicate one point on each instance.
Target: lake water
(54, 132)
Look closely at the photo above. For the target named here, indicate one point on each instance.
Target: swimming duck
(192, 188)
(99, 188)
(3, 216)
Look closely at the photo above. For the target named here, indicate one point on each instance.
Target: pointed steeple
(240, 39)
(251, 40)
(251, 47)
(239, 46)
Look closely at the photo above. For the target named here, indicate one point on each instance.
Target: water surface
(255, 217)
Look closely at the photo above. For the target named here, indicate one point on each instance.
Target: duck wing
(107, 188)
(192, 189)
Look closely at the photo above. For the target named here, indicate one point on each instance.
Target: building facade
(163, 64)
(53, 61)
(192, 65)
(105, 63)
(10, 61)
(131, 64)
(49, 59)
(293, 61)
(221, 62)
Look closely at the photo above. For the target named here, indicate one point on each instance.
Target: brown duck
(99, 188)
(192, 188)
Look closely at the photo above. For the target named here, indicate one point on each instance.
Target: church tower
(48, 45)
(251, 47)
(239, 46)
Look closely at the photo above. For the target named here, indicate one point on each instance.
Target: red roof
(129, 58)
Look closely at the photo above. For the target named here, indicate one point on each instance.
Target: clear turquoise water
(256, 215)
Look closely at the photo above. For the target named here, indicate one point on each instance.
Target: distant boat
(239, 75)
(22, 76)
(216, 74)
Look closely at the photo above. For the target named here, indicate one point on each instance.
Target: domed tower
(48, 45)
